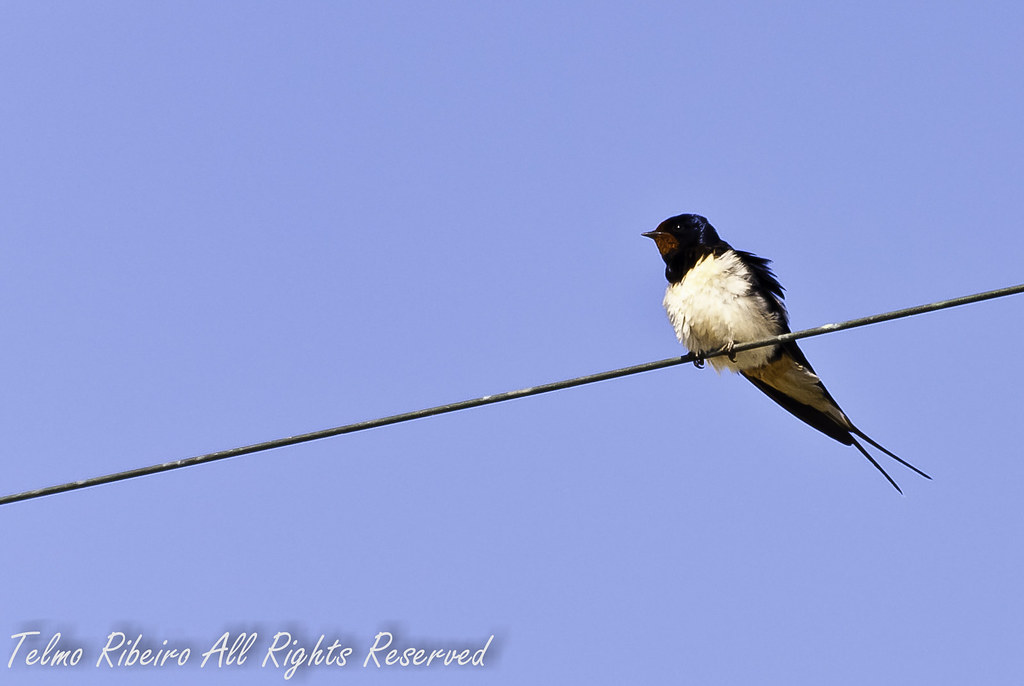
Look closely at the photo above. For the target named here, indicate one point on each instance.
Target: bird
(718, 296)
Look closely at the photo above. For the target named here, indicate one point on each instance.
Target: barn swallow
(718, 297)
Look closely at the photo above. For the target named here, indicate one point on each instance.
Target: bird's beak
(665, 241)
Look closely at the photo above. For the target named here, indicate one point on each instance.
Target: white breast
(713, 306)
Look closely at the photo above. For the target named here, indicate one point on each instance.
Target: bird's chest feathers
(714, 305)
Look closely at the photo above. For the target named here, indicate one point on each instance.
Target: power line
(508, 395)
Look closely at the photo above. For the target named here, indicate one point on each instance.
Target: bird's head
(683, 233)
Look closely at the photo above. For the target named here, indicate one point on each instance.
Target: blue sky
(225, 223)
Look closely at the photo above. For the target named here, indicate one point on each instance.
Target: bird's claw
(701, 357)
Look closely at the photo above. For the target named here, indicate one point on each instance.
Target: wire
(508, 395)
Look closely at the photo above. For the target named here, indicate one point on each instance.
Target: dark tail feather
(874, 462)
(893, 456)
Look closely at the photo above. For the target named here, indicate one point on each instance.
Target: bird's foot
(702, 356)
